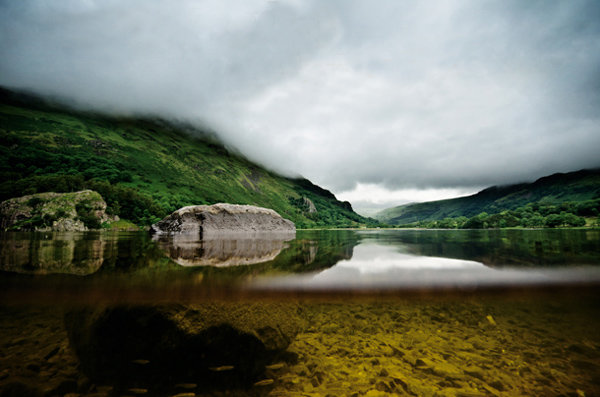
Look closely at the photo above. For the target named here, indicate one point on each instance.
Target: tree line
(532, 215)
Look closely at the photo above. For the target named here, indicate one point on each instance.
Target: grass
(124, 225)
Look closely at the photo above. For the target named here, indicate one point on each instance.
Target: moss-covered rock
(75, 211)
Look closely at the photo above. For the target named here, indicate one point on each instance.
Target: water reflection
(379, 266)
(133, 267)
(498, 248)
(226, 250)
(45, 253)
(320, 259)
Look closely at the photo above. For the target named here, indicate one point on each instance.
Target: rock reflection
(224, 249)
(134, 266)
(53, 252)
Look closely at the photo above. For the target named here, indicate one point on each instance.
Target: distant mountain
(554, 189)
(144, 168)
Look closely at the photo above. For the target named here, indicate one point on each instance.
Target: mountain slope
(144, 168)
(554, 189)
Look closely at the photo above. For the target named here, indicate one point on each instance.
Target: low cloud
(368, 199)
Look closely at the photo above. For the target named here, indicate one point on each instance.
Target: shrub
(86, 214)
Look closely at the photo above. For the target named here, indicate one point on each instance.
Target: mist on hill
(397, 95)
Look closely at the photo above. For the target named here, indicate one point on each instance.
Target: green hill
(573, 187)
(144, 168)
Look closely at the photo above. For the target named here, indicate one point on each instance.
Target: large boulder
(75, 211)
(210, 344)
(218, 219)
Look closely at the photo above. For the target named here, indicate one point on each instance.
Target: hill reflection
(498, 248)
(84, 254)
(121, 265)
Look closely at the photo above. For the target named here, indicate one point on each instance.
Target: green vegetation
(85, 213)
(581, 188)
(124, 225)
(567, 214)
(144, 168)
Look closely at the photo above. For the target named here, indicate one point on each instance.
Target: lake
(329, 312)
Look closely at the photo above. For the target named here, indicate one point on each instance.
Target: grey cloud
(404, 94)
(151, 56)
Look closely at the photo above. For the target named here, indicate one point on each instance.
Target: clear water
(385, 312)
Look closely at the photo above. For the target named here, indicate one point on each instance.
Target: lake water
(369, 312)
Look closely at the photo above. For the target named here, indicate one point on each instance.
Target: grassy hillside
(574, 187)
(144, 168)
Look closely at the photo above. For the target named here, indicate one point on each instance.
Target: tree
(554, 220)
(573, 220)
(477, 222)
(536, 220)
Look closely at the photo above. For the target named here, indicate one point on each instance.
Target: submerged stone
(213, 344)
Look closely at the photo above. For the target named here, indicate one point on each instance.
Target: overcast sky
(381, 102)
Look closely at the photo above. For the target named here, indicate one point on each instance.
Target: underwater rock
(212, 344)
(218, 219)
(189, 250)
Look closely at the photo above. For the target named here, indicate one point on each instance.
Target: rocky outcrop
(216, 220)
(210, 344)
(347, 206)
(309, 205)
(75, 211)
(246, 249)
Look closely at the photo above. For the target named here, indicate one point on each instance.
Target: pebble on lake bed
(222, 368)
(137, 390)
(264, 382)
(186, 385)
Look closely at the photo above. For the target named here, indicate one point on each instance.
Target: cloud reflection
(379, 266)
